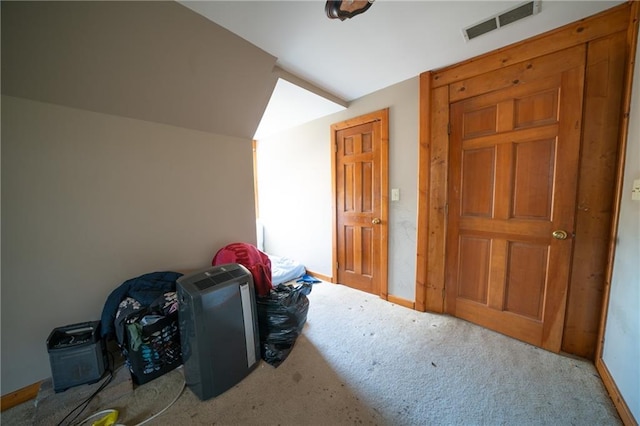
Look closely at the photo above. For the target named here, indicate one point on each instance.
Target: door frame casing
(383, 117)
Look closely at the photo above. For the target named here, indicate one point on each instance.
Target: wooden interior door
(514, 158)
(360, 166)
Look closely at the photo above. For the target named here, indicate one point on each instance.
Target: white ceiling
(290, 106)
(393, 41)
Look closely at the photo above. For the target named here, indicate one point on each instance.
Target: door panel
(474, 268)
(524, 284)
(513, 165)
(477, 181)
(533, 179)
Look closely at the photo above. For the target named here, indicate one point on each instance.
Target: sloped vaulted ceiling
(155, 61)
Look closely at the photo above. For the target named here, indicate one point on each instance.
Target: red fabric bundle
(250, 257)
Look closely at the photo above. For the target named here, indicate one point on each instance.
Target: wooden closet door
(358, 201)
(514, 157)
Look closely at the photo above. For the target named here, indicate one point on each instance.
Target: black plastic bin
(157, 350)
(77, 355)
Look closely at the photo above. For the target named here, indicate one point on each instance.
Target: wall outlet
(635, 190)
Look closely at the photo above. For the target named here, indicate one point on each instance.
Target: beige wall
(621, 349)
(294, 181)
(90, 200)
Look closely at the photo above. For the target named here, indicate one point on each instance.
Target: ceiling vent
(500, 20)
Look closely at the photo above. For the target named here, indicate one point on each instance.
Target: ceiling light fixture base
(346, 9)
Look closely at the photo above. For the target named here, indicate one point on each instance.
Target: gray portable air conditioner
(218, 328)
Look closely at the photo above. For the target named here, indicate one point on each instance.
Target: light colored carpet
(362, 360)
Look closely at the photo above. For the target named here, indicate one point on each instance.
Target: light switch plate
(395, 194)
(635, 190)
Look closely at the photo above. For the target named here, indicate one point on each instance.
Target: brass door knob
(560, 234)
(376, 221)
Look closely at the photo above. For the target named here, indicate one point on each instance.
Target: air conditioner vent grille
(516, 14)
(481, 28)
(500, 20)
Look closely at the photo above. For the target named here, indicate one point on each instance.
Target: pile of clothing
(282, 311)
(142, 315)
(132, 316)
(133, 295)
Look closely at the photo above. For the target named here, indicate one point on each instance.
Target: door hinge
(448, 128)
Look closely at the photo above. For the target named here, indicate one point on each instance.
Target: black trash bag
(281, 316)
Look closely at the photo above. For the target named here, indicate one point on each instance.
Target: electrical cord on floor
(112, 412)
(184, 384)
(84, 404)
